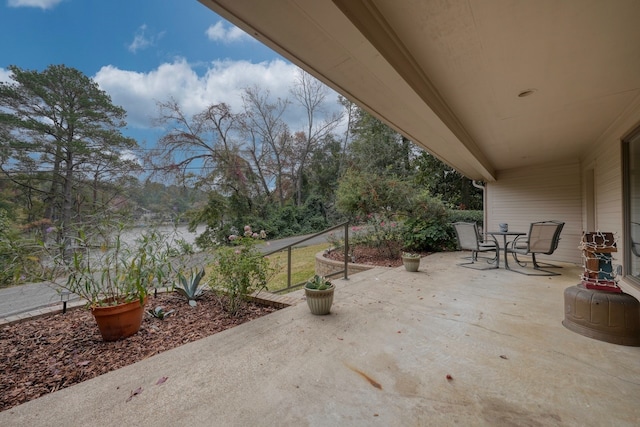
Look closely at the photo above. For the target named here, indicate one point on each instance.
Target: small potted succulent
(319, 293)
(411, 261)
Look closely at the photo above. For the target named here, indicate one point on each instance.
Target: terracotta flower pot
(119, 321)
(319, 302)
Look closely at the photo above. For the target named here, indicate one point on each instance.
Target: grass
(303, 265)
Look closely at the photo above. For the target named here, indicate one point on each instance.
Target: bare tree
(207, 151)
(351, 112)
(199, 149)
(310, 94)
(270, 140)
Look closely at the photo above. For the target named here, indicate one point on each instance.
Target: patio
(381, 358)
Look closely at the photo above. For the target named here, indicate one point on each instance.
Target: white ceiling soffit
(447, 74)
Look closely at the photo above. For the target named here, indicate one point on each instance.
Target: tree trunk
(51, 199)
(67, 206)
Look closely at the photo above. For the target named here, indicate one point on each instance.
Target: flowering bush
(380, 232)
(240, 269)
(336, 241)
(427, 228)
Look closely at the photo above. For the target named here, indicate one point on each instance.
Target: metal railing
(290, 246)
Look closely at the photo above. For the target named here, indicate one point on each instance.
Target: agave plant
(159, 312)
(318, 282)
(190, 288)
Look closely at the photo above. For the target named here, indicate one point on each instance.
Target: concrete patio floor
(381, 358)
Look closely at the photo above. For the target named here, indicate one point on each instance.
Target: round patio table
(504, 235)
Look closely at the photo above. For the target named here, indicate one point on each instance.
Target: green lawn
(303, 264)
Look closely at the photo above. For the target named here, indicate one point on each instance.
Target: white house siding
(547, 192)
(606, 160)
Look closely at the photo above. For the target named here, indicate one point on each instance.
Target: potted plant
(411, 261)
(114, 277)
(319, 293)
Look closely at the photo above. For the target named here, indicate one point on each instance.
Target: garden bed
(40, 356)
(370, 255)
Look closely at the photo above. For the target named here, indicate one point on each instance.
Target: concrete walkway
(444, 346)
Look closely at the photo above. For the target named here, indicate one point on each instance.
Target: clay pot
(119, 321)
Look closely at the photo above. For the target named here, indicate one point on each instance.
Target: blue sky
(142, 52)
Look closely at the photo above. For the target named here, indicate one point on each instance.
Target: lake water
(177, 233)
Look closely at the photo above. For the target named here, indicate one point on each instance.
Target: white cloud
(223, 81)
(142, 40)
(4, 76)
(130, 155)
(226, 33)
(42, 4)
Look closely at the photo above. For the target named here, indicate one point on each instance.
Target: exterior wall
(606, 163)
(521, 196)
(605, 158)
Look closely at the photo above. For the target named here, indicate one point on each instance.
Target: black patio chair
(469, 239)
(543, 238)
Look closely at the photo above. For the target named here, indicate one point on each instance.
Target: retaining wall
(326, 266)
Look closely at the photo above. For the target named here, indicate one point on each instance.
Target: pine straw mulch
(40, 356)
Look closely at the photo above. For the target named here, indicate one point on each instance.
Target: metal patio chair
(469, 239)
(543, 238)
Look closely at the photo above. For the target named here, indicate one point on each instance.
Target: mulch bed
(40, 356)
(370, 256)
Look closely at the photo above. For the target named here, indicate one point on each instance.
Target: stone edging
(326, 266)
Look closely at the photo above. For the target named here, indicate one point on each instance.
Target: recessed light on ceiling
(526, 93)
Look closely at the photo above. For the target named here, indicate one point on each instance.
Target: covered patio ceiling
(484, 85)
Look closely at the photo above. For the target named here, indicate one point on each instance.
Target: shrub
(427, 227)
(8, 267)
(363, 194)
(380, 232)
(240, 269)
(18, 255)
(456, 215)
(184, 247)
